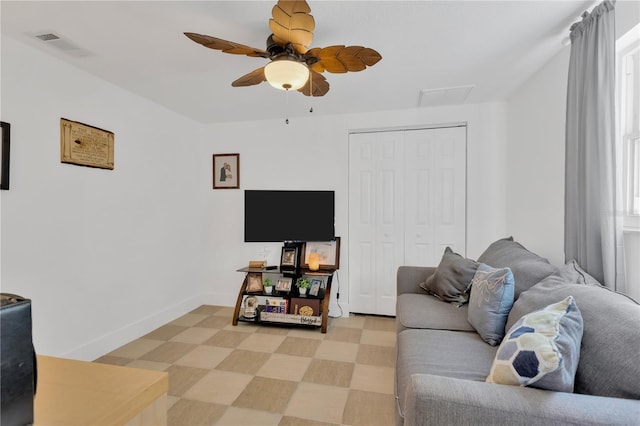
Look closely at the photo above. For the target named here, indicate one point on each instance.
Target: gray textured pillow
(490, 302)
(542, 349)
(610, 341)
(528, 268)
(452, 277)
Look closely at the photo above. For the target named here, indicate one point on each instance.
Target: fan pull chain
(286, 120)
(311, 91)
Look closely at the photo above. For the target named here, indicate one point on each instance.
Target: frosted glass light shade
(314, 261)
(286, 74)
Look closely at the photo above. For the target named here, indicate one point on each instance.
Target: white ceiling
(493, 46)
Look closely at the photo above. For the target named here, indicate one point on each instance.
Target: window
(628, 105)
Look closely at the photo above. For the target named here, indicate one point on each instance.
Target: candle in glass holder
(314, 261)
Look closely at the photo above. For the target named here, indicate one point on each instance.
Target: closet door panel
(390, 223)
(362, 223)
(450, 189)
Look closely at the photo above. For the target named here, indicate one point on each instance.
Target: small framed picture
(328, 252)
(284, 284)
(315, 287)
(254, 282)
(289, 258)
(226, 171)
(250, 307)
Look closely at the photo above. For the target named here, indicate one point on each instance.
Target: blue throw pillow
(491, 299)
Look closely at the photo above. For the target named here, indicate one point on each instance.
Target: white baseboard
(106, 343)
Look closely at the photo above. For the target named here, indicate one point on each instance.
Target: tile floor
(264, 375)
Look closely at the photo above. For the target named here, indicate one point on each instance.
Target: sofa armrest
(410, 277)
(435, 400)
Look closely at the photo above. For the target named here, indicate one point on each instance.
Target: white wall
(536, 156)
(104, 255)
(535, 161)
(312, 153)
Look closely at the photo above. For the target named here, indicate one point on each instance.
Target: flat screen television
(278, 216)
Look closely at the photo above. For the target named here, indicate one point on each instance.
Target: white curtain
(593, 221)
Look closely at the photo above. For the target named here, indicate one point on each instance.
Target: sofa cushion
(610, 341)
(462, 355)
(541, 349)
(490, 302)
(528, 268)
(451, 280)
(428, 312)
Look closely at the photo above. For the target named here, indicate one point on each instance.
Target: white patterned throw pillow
(541, 349)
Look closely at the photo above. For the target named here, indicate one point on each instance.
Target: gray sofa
(442, 362)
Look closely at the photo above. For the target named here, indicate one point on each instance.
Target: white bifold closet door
(407, 202)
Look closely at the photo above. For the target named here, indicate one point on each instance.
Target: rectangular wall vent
(443, 96)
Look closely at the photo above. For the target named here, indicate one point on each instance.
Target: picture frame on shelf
(289, 258)
(254, 282)
(328, 252)
(250, 307)
(226, 171)
(284, 284)
(316, 284)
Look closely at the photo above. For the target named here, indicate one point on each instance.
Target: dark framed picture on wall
(226, 171)
(5, 151)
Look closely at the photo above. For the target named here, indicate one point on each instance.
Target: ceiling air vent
(54, 40)
(443, 96)
(48, 37)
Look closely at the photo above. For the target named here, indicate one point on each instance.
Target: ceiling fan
(293, 65)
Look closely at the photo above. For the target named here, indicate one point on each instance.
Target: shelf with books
(284, 304)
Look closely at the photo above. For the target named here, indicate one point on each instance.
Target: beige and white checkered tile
(285, 367)
(217, 386)
(188, 412)
(298, 346)
(136, 348)
(337, 351)
(241, 361)
(261, 342)
(260, 375)
(168, 352)
(188, 320)
(266, 394)
(369, 409)
(373, 378)
(204, 356)
(236, 416)
(195, 335)
(377, 337)
(332, 373)
(383, 356)
(165, 332)
(318, 402)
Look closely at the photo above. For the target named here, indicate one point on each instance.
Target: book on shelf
(276, 305)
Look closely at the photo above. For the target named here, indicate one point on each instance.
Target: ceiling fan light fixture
(286, 74)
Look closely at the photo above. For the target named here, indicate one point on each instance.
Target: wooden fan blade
(316, 83)
(291, 23)
(341, 59)
(227, 46)
(251, 79)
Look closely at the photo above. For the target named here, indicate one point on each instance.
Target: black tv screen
(277, 216)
